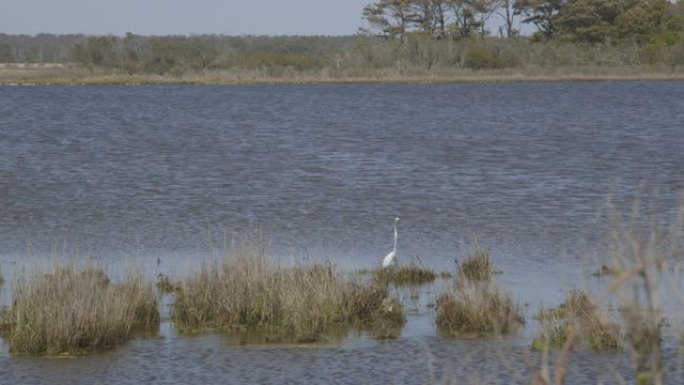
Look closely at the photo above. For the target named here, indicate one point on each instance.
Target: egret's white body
(391, 258)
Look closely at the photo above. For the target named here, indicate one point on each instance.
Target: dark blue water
(177, 172)
(526, 168)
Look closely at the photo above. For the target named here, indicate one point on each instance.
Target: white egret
(391, 258)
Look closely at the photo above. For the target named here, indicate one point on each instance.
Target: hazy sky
(161, 17)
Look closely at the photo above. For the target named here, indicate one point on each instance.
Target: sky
(185, 17)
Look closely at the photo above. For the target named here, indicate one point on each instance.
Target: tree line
(588, 21)
(399, 36)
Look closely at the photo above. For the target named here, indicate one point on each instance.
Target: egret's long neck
(395, 237)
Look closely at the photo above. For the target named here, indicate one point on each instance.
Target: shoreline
(65, 75)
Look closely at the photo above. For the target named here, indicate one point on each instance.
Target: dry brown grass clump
(478, 267)
(576, 314)
(72, 310)
(475, 306)
(369, 305)
(477, 309)
(166, 285)
(248, 291)
(405, 275)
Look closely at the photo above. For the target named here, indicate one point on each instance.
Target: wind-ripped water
(177, 172)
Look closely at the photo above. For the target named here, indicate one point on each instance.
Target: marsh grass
(411, 274)
(475, 306)
(73, 310)
(248, 291)
(478, 267)
(576, 314)
(370, 306)
(445, 274)
(477, 309)
(166, 285)
(70, 75)
(639, 252)
(604, 271)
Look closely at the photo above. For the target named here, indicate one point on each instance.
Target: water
(177, 172)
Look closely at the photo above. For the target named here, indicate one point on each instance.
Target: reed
(371, 305)
(298, 303)
(576, 314)
(477, 309)
(477, 267)
(75, 310)
(166, 285)
(639, 253)
(411, 274)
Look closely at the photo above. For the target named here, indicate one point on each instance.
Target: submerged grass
(247, 290)
(74, 310)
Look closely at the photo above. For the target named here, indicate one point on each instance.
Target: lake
(532, 171)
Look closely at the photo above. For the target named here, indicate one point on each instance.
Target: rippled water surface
(175, 172)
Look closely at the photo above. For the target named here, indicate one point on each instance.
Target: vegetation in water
(603, 271)
(478, 267)
(475, 306)
(73, 310)
(166, 285)
(411, 274)
(576, 314)
(247, 290)
(477, 309)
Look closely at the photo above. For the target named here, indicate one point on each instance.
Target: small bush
(72, 310)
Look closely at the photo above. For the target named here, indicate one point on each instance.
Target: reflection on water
(175, 173)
